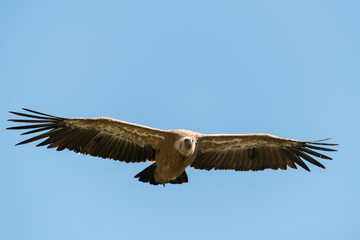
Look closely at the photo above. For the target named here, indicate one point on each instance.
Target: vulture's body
(171, 151)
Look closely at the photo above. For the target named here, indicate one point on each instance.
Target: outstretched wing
(257, 152)
(100, 137)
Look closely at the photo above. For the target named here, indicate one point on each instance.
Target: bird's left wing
(100, 137)
(246, 152)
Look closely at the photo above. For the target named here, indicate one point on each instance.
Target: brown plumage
(172, 151)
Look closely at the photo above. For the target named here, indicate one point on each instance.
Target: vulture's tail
(147, 175)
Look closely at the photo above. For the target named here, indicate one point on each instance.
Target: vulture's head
(186, 146)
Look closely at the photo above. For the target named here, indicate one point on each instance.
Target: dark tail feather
(147, 175)
(181, 179)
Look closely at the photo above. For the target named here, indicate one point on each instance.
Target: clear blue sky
(288, 68)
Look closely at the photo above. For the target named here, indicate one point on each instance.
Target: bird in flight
(170, 151)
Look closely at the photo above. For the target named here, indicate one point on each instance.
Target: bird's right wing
(100, 137)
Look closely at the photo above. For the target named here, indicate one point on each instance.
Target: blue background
(288, 68)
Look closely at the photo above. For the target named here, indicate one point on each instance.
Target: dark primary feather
(59, 134)
(256, 155)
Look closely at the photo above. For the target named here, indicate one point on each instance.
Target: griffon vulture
(171, 151)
